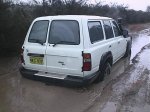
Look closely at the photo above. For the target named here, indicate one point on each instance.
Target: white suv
(73, 47)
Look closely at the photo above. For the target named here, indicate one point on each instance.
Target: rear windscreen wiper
(36, 41)
(64, 42)
(40, 42)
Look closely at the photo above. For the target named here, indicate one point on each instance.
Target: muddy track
(125, 89)
(9, 65)
(131, 88)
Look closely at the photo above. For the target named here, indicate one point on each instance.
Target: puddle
(145, 58)
(110, 107)
(138, 43)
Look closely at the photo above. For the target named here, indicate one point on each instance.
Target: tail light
(21, 56)
(86, 62)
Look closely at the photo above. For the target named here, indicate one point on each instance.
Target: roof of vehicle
(72, 17)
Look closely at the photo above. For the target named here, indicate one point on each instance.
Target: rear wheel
(103, 72)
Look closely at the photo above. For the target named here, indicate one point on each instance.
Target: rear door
(65, 46)
(110, 40)
(121, 44)
(35, 47)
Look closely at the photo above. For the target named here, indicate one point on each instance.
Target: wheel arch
(129, 43)
(106, 57)
(128, 48)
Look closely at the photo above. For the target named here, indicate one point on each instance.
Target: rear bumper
(75, 80)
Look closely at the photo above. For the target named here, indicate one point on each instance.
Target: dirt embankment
(8, 65)
(138, 27)
(135, 29)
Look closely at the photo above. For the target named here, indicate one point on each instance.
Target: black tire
(127, 53)
(103, 72)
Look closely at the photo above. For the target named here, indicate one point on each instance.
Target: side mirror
(119, 20)
(125, 33)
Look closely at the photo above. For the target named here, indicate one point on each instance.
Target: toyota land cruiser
(73, 47)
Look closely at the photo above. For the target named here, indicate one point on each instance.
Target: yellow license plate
(36, 60)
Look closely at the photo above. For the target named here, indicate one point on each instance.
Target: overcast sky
(132, 4)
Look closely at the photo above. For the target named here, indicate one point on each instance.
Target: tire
(127, 53)
(103, 72)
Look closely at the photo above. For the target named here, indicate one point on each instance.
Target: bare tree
(148, 9)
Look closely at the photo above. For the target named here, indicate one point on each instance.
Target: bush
(15, 18)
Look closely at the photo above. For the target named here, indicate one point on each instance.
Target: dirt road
(130, 92)
(127, 89)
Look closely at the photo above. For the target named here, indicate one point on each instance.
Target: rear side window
(116, 29)
(64, 32)
(39, 32)
(108, 29)
(95, 31)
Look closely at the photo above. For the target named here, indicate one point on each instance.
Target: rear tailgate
(64, 60)
(65, 46)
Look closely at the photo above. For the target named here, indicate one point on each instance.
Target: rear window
(39, 32)
(95, 31)
(116, 29)
(108, 29)
(64, 32)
